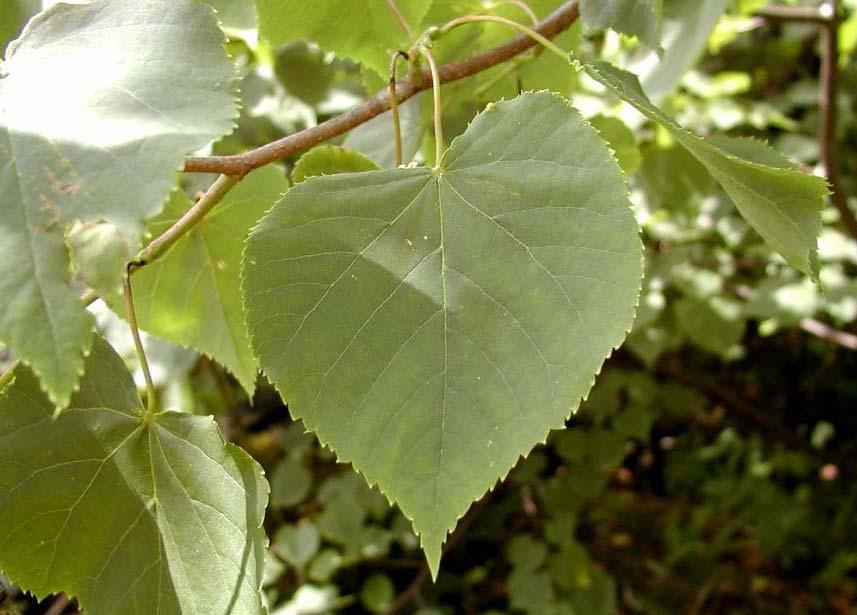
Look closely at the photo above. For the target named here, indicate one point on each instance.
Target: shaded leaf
(128, 515)
(330, 160)
(363, 30)
(433, 325)
(192, 295)
(90, 130)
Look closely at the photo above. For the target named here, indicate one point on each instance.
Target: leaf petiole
(438, 118)
(151, 395)
(542, 40)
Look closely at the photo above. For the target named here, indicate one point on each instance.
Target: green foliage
(72, 130)
(133, 513)
(783, 204)
(431, 325)
(640, 18)
(192, 295)
(330, 160)
(407, 295)
(364, 30)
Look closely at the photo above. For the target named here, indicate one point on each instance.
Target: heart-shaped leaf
(129, 515)
(432, 326)
(92, 129)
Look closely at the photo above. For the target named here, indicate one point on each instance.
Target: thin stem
(521, 5)
(438, 115)
(403, 23)
(542, 40)
(241, 164)
(165, 241)
(394, 104)
(151, 396)
(819, 329)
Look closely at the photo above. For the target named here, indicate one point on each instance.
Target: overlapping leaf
(433, 325)
(99, 103)
(781, 203)
(363, 30)
(128, 515)
(329, 160)
(192, 295)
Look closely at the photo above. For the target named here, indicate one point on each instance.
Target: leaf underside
(93, 131)
(128, 517)
(432, 326)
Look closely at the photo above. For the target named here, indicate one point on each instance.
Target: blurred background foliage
(712, 468)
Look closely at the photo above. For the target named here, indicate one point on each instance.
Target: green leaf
(330, 160)
(433, 325)
(98, 253)
(192, 295)
(621, 140)
(290, 483)
(640, 18)
(235, 16)
(716, 324)
(378, 593)
(13, 15)
(91, 130)
(782, 204)
(128, 515)
(362, 30)
(686, 28)
(297, 544)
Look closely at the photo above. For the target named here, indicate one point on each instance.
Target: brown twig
(825, 332)
(241, 164)
(58, 606)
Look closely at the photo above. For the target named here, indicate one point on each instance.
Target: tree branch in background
(825, 17)
(829, 116)
(241, 164)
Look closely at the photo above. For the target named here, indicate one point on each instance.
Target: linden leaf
(363, 30)
(92, 130)
(432, 326)
(128, 515)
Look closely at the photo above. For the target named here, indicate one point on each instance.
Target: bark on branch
(241, 164)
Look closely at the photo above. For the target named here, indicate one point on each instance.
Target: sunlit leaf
(93, 130)
(127, 514)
